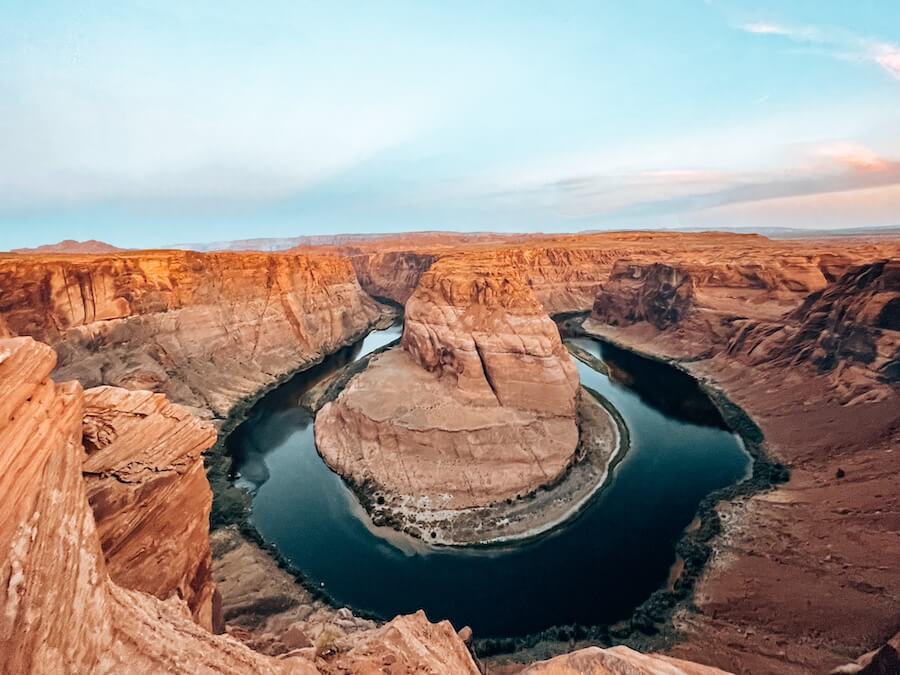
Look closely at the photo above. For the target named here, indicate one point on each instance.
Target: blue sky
(148, 123)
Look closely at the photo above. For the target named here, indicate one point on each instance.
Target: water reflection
(594, 569)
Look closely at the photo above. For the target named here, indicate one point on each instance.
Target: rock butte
(476, 406)
(802, 334)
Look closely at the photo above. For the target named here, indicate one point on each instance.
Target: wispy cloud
(822, 169)
(839, 44)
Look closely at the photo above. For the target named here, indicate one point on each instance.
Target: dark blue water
(595, 569)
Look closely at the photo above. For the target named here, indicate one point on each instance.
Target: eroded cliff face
(147, 487)
(657, 293)
(475, 407)
(850, 329)
(61, 613)
(205, 329)
(793, 563)
(59, 610)
(481, 326)
(391, 274)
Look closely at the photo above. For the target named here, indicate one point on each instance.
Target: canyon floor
(803, 336)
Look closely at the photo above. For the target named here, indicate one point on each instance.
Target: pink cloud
(856, 157)
(888, 57)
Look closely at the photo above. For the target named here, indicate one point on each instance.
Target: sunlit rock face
(205, 329)
(147, 487)
(484, 329)
(476, 406)
(59, 611)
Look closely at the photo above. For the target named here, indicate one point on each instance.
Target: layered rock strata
(566, 271)
(801, 579)
(61, 613)
(59, 610)
(147, 487)
(205, 329)
(476, 406)
(849, 329)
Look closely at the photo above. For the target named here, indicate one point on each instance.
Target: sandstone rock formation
(206, 330)
(59, 610)
(850, 328)
(408, 644)
(801, 579)
(658, 294)
(480, 328)
(391, 274)
(147, 487)
(475, 407)
(617, 661)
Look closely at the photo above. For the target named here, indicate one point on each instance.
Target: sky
(151, 123)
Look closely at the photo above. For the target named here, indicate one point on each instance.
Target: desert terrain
(129, 548)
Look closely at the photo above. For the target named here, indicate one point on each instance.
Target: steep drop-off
(61, 612)
(147, 487)
(205, 329)
(801, 578)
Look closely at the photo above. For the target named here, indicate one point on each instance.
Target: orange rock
(147, 487)
(205, 329)
(59, 611)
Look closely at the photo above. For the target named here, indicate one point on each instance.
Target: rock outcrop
(59, 610)
(147, 487)
(658, 293)
(408, 644)
(477, 405)
(849, 329)
(393, 275)
(205, 329)
(617, 661)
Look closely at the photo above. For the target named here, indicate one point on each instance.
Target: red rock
(147, 486)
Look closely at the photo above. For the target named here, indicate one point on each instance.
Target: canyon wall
(61, 611)
(617, 661)
(566, 271)
(849, 329)
(476, 406)
(205, 329)
(391, 274)
(801, 579)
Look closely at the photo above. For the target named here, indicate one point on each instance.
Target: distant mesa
(72, 246)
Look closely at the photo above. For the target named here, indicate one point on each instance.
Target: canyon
(106, 505)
